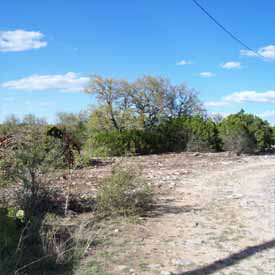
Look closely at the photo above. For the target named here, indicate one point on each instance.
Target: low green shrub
(245, 133)
(175, 135)
(124, 193)
(123, 143)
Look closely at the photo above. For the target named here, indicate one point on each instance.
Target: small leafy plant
(124, 193)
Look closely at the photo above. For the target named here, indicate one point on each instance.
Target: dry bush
(124, 193)
(65, 244)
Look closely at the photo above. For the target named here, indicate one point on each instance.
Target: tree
(32, 120)
(243, 132)
(202, 135)
(75, 124)
(9, 125)
(182, 101)
(28, 159)
(143, 104)
(113, 97)
(217, 118)
(149, 99)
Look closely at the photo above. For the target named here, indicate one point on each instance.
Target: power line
(234, 37)
(224, 28)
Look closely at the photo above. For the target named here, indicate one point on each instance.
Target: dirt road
(215, 215)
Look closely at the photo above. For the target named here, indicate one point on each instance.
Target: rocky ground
(215, 214)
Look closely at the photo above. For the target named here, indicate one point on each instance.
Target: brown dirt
(210, 210)
(214, 214)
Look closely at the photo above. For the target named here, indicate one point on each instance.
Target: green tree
(143, 104)
(202, 135)
(114, 99)
(29, 160)
(243, 132)
(75, 125)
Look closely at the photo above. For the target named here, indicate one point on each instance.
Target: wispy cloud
(215, 103)
(231, 65)
(251, 96)
(69, 82)
(266, 53)
(183, 62)
(20, 40)
(207, 74)
(267, 114)
(248, 53)
(243, 97)
(223, 114)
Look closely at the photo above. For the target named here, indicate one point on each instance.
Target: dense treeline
(150, 115)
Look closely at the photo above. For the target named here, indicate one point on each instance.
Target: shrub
(124, 193)
(64, 244)
(245, 133)
(175, 135)
(123, 143)
(202, 134)
(29, 162)
(42, 245)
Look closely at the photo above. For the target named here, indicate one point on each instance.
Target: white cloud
(267, 53)
(215, 103)
(207, 74)
(248, 53)
(183, 62)
(267, 114)
(223, 114)
(69, 82)
(244, 97)
(20, 40)
(231, 65)
(251, 96)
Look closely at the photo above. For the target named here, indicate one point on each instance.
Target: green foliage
(245, 133)
(273, 136)
(142, 104)
(41, 245)
(29, 162)
(202, 134)
(124, 193)
(75, 125)
(9, 125)
(123, 143)
(175, 135)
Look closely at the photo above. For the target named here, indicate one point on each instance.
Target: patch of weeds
(106, 254)
(124, 193)
(95, 268)
(143, 266)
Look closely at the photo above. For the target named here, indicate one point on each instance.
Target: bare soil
(215, 214)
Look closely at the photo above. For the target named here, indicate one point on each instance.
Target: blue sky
(49, 48)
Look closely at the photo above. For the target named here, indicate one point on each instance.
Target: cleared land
(215, 214)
